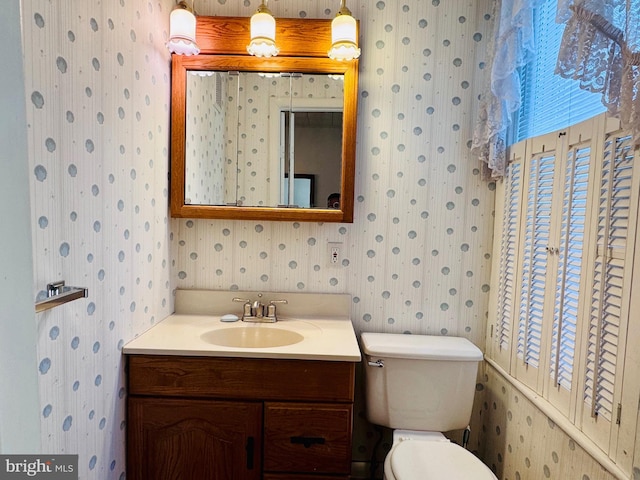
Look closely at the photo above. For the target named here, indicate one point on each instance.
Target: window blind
(550, 102)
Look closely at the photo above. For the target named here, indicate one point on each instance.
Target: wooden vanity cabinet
(238, 418)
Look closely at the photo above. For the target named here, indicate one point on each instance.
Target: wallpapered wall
(520, 442)
(205, 156)
(97, 87)
(416, 259)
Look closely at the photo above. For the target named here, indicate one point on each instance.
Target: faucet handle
(277, 301)
(271, 307)
(246, 312)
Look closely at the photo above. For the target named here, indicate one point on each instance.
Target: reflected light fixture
(263, 33)
(182, 31)
(344, 45)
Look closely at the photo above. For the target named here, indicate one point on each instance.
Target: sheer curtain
(601, 49)
(511, 47)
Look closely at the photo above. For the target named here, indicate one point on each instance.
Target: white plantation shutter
(503, 305)
(508, 256)
(535, 239)
(566, 230)
(608, 272)
(570, 257)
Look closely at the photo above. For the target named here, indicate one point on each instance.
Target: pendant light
(182, 31)
(344, 44)
(263, 33)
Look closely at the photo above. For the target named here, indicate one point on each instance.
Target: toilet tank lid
(429, 347)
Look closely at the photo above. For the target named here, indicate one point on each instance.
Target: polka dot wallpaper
(205, 143)
(416, 259)
(97, 83)
(520, 442)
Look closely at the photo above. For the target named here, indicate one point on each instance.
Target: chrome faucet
(257, 311)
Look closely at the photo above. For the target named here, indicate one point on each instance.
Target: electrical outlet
(334, 254)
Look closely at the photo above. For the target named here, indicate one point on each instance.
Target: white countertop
(329, 338)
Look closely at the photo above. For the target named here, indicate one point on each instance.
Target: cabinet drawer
(307, 437)
(260, 379)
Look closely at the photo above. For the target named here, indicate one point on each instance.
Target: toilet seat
(420, 460)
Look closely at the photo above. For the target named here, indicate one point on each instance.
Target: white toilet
(420, 386)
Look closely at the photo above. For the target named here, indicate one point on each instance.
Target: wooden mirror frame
(303, 47)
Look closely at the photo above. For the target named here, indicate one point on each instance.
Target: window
(566, 221)
(550, 102)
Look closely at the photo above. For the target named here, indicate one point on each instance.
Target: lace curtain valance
(511, 47)
(601, 49)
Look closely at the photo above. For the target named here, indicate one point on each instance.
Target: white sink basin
(327, 334)
(252, 337)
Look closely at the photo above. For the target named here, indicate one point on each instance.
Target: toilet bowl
(433, 459)
(422, 385)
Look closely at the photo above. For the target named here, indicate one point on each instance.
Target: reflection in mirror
(210, 144)
(246, 132)
(312, 150)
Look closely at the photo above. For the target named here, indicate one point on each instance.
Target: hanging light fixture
(263, 33)
(344, 44)
(182, 31)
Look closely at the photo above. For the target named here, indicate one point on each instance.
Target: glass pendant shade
(182, 31)
(344, 45)
(263, 33)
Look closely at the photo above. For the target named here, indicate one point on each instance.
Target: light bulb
(344, 45)
(182, 28)
(263, 33)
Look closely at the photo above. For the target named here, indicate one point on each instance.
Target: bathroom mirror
(243, 126)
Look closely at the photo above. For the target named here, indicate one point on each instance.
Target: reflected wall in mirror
(209, 141)
(242, 126)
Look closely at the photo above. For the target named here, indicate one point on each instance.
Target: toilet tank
(425, 382)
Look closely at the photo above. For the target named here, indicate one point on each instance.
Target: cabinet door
(309, 438)
(175, 439)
